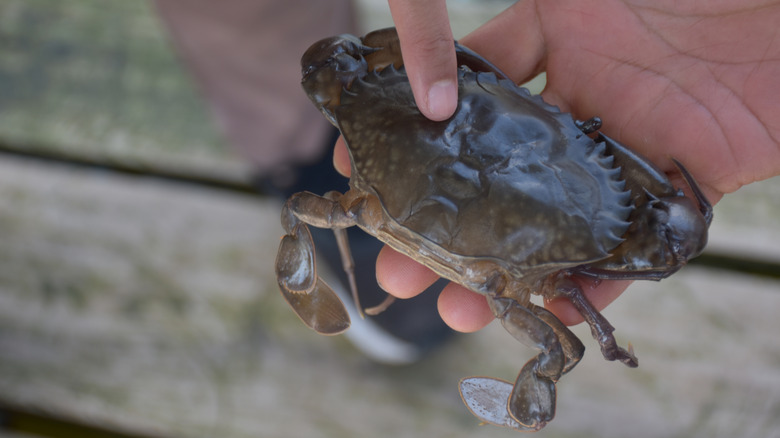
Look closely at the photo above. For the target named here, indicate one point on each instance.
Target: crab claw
(487, 398)
(705, 206)
(310, 297)
(320, 309)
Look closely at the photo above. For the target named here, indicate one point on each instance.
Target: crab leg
(531, 401)
(573, 348)
(348, 263)
(296, 270)
(600, 328)
(349, 268)
(705, 207)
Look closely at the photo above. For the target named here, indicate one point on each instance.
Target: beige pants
(245, 55)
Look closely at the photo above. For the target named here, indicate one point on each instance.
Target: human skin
(696, 81)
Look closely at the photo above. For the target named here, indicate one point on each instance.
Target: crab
(509, 197)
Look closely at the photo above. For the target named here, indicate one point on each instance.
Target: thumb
(429, 54)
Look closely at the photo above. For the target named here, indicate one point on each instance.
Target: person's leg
(245, 56)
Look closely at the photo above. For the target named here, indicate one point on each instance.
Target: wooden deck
(138, 306)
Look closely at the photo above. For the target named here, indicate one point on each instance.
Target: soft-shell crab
(509, 197)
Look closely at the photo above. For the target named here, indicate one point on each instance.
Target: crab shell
(507, 178)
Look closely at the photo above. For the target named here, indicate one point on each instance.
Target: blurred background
(137, 296)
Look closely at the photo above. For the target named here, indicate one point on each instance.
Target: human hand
(429, 54)
(699, 83)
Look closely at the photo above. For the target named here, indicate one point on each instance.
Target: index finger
(429, 54)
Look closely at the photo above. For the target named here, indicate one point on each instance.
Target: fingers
(341, 157)
(513, 41)
(429, 54)
(464, 310)
(401, 276)
(467, 311)
(460, 308)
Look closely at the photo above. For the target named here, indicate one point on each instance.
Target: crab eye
(686, 229)
(677, 248)
(309, 70)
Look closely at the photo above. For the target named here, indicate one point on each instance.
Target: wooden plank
(99, 81)
(747, 223)
(153, 307)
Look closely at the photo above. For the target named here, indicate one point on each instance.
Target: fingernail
(442, 99)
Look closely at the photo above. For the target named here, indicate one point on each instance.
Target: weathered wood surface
(150, 306)
(94, 81)
(747, 223)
